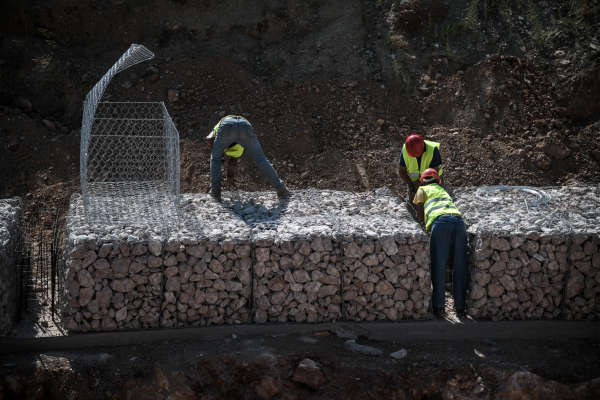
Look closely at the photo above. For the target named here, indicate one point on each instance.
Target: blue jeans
(448, 237)
(239, 130)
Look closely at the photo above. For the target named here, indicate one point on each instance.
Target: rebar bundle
(129, 157)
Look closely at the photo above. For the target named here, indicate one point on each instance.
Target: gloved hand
(230, 181)
(415, 185)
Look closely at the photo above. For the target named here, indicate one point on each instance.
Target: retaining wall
(533, 262)
(319, 256)
(10, 236)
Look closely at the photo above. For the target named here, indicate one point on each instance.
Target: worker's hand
(230, 181)
(415, 185)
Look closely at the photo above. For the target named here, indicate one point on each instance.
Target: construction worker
(448, 237)
(418, 155)
(231, 136)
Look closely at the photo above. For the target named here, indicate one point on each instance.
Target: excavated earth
(332, 88)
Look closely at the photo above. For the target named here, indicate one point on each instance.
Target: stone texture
(10, 233)
(309, 373)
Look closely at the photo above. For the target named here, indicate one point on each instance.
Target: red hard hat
(415, 145)
(429, 172)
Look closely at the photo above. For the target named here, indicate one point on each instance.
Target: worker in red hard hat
(448, 238)
(418, 155)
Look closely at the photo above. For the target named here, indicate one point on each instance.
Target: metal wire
(543, 197)
(130, 163)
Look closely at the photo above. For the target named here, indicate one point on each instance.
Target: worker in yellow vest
(232, 135)
(418, 155)
(448, 238)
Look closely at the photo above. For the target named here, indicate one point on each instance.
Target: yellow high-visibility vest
(438, 203)
(412, 166)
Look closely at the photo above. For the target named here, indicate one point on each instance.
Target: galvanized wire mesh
(129, 157)
(515, 209)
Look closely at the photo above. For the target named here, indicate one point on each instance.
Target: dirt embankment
(317, 80)
(315, 366)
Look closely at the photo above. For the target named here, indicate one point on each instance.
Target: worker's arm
(404, 175)
(421, 212)
(437, 168)
(211, 142)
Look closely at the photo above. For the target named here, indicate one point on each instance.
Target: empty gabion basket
(129, 157)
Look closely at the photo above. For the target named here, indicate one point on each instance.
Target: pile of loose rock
(10, 236)
(532, 261)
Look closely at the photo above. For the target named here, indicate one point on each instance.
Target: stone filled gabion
(297, 280)
(206, 282)
(250, 258)
(517, 276)
(582, 296)
(113, 285)
(386, 278)
(10, 235)
(308, 243)
(142, 277)
(531, 261)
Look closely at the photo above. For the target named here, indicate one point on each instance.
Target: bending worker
(418, 155)
(448, 237)
(231, 136)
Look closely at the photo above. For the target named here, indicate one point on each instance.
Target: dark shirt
(436, 161)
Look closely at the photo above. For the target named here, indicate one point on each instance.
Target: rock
(23, 104)
(261, 104)
(521, 153)
(309, 373)
(575, 284)
(103, 359)
(400, 354)
(35, 392)
(556, 152)
(268, 387)
(49, 124)
(380, 122)
(305, 175)
(182, 392)
(13, 385)
(543, 161)
(13, 143)
(499, 243)
(409, 21)
(525, 385)
(366, 350)
(596, 155)
(173, 95)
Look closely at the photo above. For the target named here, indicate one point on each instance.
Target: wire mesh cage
(38, 265)
(129, 157)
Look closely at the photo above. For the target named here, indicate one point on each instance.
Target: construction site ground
(332, 87)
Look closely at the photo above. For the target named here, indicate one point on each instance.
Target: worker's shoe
(215, 193)
(460, 313)
(439, 312)
(283, 194)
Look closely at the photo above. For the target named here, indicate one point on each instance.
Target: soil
(332, 88)
(237, 367)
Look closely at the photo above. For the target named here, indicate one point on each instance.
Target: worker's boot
(283, 194)
(215, 193)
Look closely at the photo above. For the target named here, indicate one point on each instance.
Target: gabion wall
(531, 260)
(130, 163)
(11, 211)
(319, 256)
